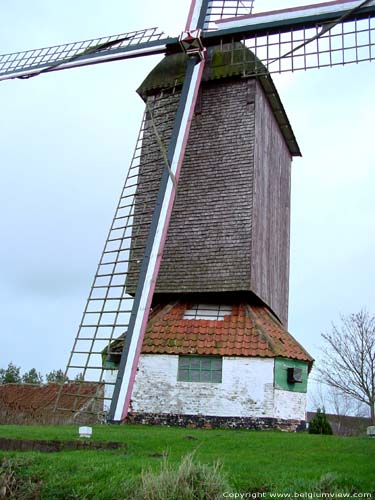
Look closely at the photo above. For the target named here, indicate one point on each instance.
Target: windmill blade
(303, 16)
(161, 215)
(108, 307)
(114, 309)
(111, 305)
(150, 41)
(315, 36)
(155, 242)
(218, 10)
(72, 55)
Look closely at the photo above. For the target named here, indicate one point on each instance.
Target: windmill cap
(232, 60)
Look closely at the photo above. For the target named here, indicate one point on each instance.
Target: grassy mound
(257, 463)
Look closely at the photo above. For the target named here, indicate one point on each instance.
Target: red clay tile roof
(251, 330)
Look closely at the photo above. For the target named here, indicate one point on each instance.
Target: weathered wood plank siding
(229, 230)
(271, 211)
(209, 238)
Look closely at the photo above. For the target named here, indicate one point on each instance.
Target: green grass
(252, 461)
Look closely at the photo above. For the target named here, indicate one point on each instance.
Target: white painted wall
(246, 388)
(290, 405)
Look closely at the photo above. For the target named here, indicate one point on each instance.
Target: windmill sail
(223, 9)
(301, 38)
(73, 55)
(107, 312)
(137, 320)
(315, 36)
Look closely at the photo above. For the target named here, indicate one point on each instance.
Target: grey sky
(67, 139)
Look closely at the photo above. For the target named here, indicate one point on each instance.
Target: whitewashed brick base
(247, 390)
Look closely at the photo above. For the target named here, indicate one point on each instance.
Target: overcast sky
(67, 139)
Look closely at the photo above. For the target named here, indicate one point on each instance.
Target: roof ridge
(291, 337)
(263, 333)
(162, 310)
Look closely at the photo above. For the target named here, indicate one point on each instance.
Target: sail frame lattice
(110, 303)
(225, 9)
(31, 62)
(305, 47)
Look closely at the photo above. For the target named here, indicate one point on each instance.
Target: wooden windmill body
(229, 231)
(209, 184)
(220, 305)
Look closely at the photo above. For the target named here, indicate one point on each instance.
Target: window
(208, 311)
(294, 375)
(199, 369)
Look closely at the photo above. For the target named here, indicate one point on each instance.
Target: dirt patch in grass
(9, 444)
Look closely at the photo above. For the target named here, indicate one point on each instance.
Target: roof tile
(250, 330)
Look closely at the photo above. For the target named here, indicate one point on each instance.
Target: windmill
(262, 35)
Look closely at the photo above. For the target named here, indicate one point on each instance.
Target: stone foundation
(212, 422)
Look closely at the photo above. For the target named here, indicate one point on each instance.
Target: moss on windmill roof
(221, 62)
(225, 61)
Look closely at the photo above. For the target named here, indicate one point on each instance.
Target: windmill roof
(226, 61)
(249, 330)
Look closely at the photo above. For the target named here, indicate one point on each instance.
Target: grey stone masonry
(211, 422)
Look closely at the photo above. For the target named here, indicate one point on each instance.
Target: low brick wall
(31, 404)
(212, 422)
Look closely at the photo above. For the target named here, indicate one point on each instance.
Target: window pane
(206, 376)
(216, 363)
(207, 311)
(195, 363)
(206, 363)
(184, 362)
(199, 369)
(183, 375)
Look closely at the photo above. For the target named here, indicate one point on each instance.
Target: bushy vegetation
(191, 480)
(15, 483)
(12, 375)
(319, 424)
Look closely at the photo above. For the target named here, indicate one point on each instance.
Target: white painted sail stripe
(148, 286)
(194, 15)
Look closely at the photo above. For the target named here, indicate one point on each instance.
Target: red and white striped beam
(198, 9)
(159, 227)
(154, 259)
